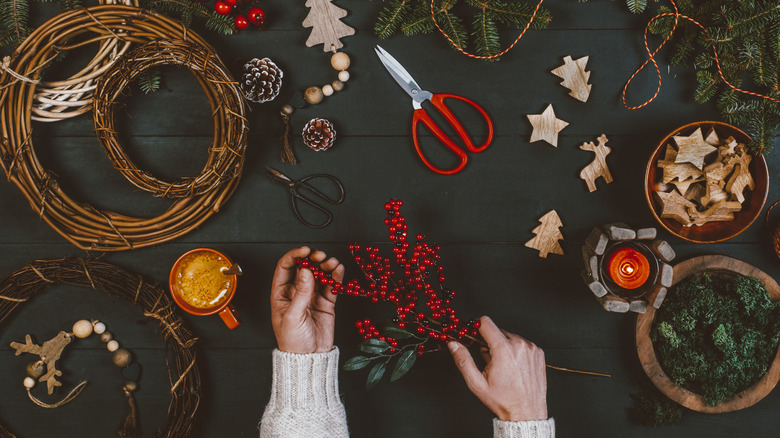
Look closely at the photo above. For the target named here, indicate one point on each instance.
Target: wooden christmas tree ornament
(598, 167)
(575, 78)
(546, 126)
(326, 27)
(547, 235)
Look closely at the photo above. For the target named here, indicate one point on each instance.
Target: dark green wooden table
(481, 217)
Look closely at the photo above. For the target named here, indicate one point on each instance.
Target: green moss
(716, 335)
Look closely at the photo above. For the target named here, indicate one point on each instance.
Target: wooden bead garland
(313, 95)
(44, 369)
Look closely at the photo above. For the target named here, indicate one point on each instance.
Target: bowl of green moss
(713, 345)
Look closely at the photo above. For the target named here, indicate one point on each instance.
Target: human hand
(302, 312)
(514, 382)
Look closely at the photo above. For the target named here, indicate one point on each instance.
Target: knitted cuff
(524, 429)
(305, 381)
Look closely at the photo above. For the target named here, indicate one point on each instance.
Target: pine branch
(453, 26)
(149, 80)
(391, 17)
(485, 33)
(413, 17)
(15, 17)
(67, 5)
(636, 6)
(186, 10)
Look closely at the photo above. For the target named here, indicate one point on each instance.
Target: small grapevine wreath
(83, 225)
(227, 151)
(183, 374)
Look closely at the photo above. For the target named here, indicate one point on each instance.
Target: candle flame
(628, 269)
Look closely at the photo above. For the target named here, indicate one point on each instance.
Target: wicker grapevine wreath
(81, 224)
(63, 99)
(227, 151)
(183, 374)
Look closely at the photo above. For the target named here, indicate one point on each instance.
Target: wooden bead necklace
(44, 369)
(313, 95)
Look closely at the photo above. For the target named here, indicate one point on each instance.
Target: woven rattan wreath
(227, 150)
(60, 100)
(183, 373)
(81, 224)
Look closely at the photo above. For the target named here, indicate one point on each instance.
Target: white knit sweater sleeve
(524, 429)
(305, 398)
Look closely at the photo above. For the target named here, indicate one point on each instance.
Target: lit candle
(628, 268)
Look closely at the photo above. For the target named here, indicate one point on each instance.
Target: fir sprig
(746, 35)
(413, 17)
(15, 16)
(149, 80)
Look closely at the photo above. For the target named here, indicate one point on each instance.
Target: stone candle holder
(598, 246)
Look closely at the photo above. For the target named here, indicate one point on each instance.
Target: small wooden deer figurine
(598, 167)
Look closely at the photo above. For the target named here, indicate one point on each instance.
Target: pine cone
(319, 134)
(261, 81)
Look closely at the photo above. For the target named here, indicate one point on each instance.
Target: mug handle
(230, 317)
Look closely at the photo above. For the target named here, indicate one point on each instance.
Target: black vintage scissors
(299, 188)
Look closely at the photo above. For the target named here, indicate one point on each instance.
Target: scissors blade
(278, 176)
(404, 79)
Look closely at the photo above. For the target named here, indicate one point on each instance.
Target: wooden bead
(99, 328)
(82, 329)
(340, 61)
(313, 95)
(337, 85)
(105, 337)
(131, 386)
(29, 382)
(327, 90)
(122, 357)
(288, 109)
(112, 346)
(344, 76)
(35, 369)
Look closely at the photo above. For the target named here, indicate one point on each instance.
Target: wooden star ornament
(692, 149)
(546, 126)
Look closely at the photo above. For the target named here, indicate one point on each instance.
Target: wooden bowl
(710, 232)
(646, 351)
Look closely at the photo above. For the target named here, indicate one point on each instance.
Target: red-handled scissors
(419, 96)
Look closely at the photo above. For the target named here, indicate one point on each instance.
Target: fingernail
(453, 346)
(302, 274)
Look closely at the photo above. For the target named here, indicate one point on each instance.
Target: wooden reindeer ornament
(49, 352)
(598, 167)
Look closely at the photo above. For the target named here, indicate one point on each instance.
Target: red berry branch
(412, 280)
(246, 12)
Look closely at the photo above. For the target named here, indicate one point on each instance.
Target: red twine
(676, 14)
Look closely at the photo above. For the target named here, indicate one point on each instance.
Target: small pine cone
(261, 81)
(319, 134)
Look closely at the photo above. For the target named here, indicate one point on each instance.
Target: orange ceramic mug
(199, 286)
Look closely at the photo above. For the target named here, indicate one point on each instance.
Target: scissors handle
(297, 194)
(421, 115)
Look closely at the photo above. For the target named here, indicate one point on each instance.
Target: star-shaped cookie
(546, 126)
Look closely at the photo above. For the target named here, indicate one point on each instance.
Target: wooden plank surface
(481, 217)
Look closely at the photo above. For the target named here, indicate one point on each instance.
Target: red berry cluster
(245, 13)
(413, 283)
